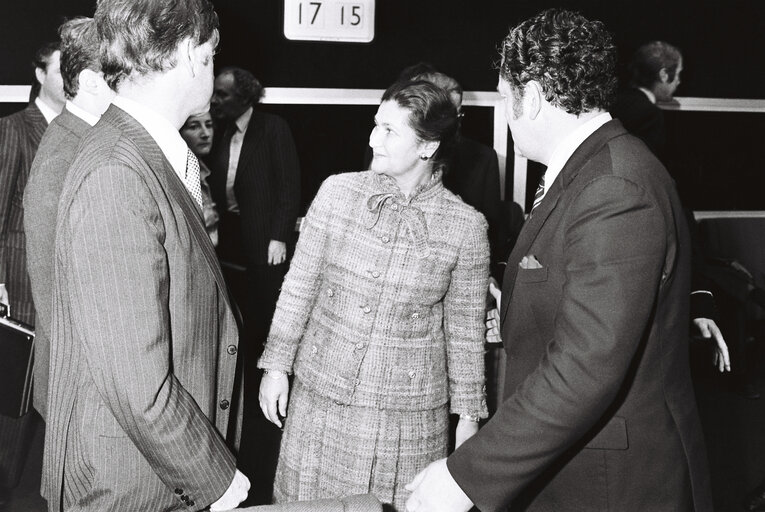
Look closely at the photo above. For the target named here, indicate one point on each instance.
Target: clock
(350, 21)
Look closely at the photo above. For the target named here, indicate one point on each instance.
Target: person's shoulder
(456, 207)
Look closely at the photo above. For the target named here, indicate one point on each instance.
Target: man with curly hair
(599, 411)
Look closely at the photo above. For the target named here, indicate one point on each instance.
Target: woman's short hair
(432, 115)
(651, 58)
(139, 37)
(79, 50)
(572, 58)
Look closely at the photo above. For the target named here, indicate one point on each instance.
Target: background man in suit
(20, 134)
(255, 182)
(143, 338)
(599, 412)
(87, 95)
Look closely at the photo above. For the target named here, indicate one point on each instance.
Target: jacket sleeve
(10, 155)
(117, 259)
(464, 322)
(301, 284)
(286, 175)
(611, 282)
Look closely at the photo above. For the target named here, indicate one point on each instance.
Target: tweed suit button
(224, 404)
(385, 239)
(415, 315)
(330, 292)
(190, 503)
(359, 346)
(314, 349)
(375, 274)
(178, 491)
(394, 206)
(231, 349)
(184, 498)
(412, 373)
(367, 309)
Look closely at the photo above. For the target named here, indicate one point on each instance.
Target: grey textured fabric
(360, 503)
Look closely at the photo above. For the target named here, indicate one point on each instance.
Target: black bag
(17, 343)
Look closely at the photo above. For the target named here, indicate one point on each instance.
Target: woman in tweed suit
(380, 315)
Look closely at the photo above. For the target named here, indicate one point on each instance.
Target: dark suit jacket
(41, 195)
(267, 185)
(641, 118)
(20, 134)
(143, 339)
(600, 413)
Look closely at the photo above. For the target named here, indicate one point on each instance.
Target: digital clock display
(330, 20)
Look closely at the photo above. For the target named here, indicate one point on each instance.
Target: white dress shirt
(235, 150)
(167, 137)
(48, 113)
(571, 143)
(82, 113)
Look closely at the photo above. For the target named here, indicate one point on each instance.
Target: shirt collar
(167, 137)
(48, 113)
(82, 113)
(566, 148)
(651, 95)
(244, 120)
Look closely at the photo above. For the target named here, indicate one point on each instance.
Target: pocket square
(529, 262)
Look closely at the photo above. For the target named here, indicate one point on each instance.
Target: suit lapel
(167, 175)
(534, 224)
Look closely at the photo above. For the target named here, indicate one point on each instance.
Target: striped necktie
(192, 180)
(540, 193)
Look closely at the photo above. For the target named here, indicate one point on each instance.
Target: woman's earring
(424, 157)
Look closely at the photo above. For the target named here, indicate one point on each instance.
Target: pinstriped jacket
(20, 134)
(383, 305)
(143, 340)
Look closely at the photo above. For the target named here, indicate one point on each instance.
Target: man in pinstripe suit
(143, 336)
(20, 135)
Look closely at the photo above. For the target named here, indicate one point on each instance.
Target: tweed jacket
(599, 411)
(41, 195)
(383, 305)
(20, 134)
(143, 338)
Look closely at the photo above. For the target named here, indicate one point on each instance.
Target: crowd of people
(185, 358)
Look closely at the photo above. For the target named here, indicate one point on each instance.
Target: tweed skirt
(331, 451)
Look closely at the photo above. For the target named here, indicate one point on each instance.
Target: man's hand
(4, 297)
(277, 252)
(708, 329)
(274, 392)
(434, 490)
(234, 495)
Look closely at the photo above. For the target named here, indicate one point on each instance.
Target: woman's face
(197, 131)
(396, 148)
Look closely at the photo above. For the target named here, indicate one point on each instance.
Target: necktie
(192, 180)
(539, 194)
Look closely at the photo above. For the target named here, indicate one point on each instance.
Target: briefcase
(17, 343)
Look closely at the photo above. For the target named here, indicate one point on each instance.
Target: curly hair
(432, 115)
(79, 50)
(139, 37)
(651, 58)
(572, 58)
(246, 86)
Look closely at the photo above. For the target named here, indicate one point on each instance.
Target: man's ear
(663, 76)
(87, 80)
(533, 98)
(40, 75)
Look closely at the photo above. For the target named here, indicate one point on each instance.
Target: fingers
(414, 484)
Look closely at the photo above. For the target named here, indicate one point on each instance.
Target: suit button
(412, 373)
(224, 404)
(178, 491)
(231, 349)
(375, 274)
(367, 309)
(314, 349)
(190, 503)
(330, 292)
(415, 315)
(359, 346)
(394, 206)
(184, 498)
(385, 239)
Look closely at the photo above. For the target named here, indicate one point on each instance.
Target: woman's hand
(274, 392)
(465, 430)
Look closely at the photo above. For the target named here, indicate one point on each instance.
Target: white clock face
(330, 20)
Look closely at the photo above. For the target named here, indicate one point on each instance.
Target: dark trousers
(255, 288)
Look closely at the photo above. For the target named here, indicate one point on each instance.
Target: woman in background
(381, 315)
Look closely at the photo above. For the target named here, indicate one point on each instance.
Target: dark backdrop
(722, 43)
